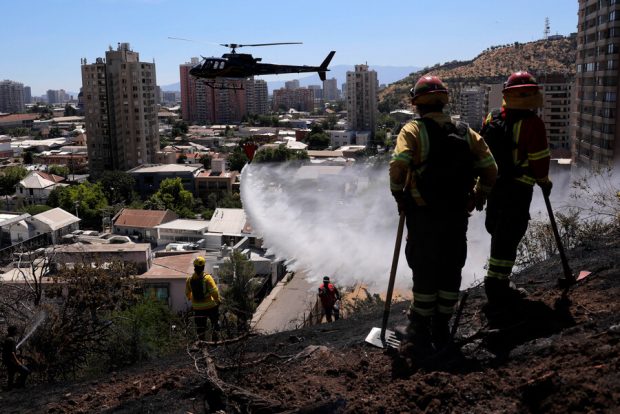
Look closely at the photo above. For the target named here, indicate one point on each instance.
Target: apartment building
(362, 88)
(120, 110)
(300, 99)
(11, 96)
(472, 106)
(595, 138)
(257, 95)
(330, 89)
(556, 90)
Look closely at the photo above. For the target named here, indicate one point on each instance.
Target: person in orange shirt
(201, 290)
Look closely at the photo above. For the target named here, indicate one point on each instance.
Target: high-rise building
(595, 138)
(362, 99)
(120, 110)
(471, 106)
(330, 89)
(300, 99)
(11, 96)
(292, 84)
(257, 96)
(556, 90)
(27, 95)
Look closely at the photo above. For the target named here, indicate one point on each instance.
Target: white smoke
(342, 221)
(337, 221)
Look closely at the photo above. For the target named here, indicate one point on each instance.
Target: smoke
(342, 221)
(337, 221)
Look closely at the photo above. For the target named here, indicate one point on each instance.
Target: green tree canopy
(279, 154)
(9, 177)
(87, 199)
(237, 274)
(171, 195)
(118, 186)
(61, 170)
(318, 139)
(237, 160)
(205, 160)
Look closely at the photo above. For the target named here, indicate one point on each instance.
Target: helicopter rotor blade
(235, 45)
(192, 40)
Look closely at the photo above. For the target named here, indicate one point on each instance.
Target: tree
(318, 139)
(85, 199)
(70, 110)
(60, 170)
(172, 196)
(279, 154)
(19, 132)
(237, 159)
(237, 274)
(9, 179)
(27, 157)
(181, 159)
(118, 186)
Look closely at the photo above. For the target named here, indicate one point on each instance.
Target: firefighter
(436, 218)
(12, 362)
(329, 296)
(507, 212)
(201, 290)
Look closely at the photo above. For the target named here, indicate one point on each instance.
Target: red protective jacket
(328, 294)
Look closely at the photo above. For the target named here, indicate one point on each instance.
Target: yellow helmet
(199, 261)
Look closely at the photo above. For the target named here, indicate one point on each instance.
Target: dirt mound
(554, 353)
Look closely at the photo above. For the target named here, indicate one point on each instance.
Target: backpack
(448, 175)
(497, 133)
(197, 285)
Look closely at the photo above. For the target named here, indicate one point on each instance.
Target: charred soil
(555, 352)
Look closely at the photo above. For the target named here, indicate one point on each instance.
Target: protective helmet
(521, 92)
(325, 278)
(521, 79)
(199, 261)
(429, 90)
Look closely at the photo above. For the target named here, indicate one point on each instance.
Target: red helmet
(521, 79)
(429, 90)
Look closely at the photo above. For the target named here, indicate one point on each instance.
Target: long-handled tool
(568, 279)
(382, 337)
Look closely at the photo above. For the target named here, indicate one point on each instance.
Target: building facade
(556, 90)
(472, 106)
(362, 88)
(120, 111)
(11, 96)
(300, 99)
(595, 138)
(330, 90)
(257, 95)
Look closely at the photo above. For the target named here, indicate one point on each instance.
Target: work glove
(546, 187)
(399, 196)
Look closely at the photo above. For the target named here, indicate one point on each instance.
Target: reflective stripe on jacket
(532, 152)
(412, 148)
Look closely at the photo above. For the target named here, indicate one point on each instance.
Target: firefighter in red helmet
(527, 164)
(437, 168)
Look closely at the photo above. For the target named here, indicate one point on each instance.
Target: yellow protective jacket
(412, 147)
(211, 293)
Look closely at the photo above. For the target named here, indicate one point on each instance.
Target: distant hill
(493, 65)
(385, 74)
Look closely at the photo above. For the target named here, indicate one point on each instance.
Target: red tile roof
(143, 218)
(18, 117)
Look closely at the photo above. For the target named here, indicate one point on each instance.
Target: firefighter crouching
(436, 217)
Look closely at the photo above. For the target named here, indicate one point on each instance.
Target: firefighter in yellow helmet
(449, 168)
(522, 153)
(201, 290)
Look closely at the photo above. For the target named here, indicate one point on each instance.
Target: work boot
(417, 343)
(441, 331)
(502, 292)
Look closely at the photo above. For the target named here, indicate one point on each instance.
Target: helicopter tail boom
(323, 67)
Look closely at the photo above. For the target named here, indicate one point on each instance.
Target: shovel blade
(390, 340)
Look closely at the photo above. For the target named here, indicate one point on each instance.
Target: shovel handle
(568, 273)
(390, 290)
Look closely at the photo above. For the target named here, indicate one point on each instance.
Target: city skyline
(45, 58)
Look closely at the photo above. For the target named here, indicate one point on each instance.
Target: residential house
(138, 254)
(150, 176)
(36, 187)
(57, 222)
(141, 224)
(182, 230)
(228, 226)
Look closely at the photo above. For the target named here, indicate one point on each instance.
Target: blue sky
(42, 41)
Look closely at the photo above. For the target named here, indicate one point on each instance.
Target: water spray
(40, 317)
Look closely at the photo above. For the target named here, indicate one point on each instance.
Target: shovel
(568, 279)
(382, 337)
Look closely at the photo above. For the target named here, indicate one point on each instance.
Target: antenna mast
(547, 28)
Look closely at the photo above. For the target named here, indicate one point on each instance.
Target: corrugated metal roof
(140, 218)
(56, 218)
(185, 224)
(228, 221)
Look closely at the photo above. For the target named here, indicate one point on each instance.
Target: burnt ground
(552, 355)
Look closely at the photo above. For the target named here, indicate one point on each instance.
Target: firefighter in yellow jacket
(440, 171)
(201, 290)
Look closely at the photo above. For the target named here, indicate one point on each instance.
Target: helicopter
(242, 65)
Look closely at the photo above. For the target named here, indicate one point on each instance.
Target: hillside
(556, 354)
(493, 65)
